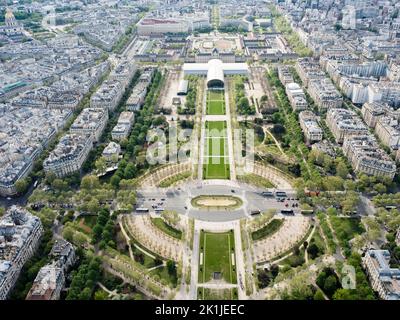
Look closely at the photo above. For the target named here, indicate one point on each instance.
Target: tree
(130, 171)
(264, 279)
(68, 234)
(115, 180)
(90, 182)
(50, 176)
(319, 295)
(101, 165)
(86, 294)
(100, 295)
(313, 250)
(330, 285)
(59, 185)
(93, 206)
(341, 169)
(380, 188)
(171, 267)
(21, 185)
(79, 239)
(278, 129)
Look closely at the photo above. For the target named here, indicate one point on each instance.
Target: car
(233, 191)
(286, 205)
(162, 199)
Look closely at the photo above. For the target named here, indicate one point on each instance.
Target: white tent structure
(215, 70)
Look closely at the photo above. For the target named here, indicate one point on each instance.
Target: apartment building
(388, 131)
(367, 157)
(296, 96)
(90, 121)
(149, 26)
(325, 94)
(124, 73)
(284, 75)
(50, 279)
(386, 92)
(48, 283)
(308, 70)
(20, 234)
(371, 112)
(139, 92)
(64, 252)
(69, 155)
(123, 126)
(108, 95)
(344, 123)
(111, 151)
(384, 279)
(311, 129)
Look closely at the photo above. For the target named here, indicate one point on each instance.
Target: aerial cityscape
(200, 150)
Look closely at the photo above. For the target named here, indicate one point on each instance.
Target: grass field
(165, 227)
(267, 230)
(217, 255)
(215, 102)
(217, 294)
(216, 164)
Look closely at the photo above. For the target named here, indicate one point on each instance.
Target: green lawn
(216, 129)
(215, 103)
(267, 230)
(165, 227)
(216, 164)
(217, 294)
(216, 250)
(215, 95)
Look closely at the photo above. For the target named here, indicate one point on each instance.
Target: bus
(281, 194)
(255, 212)
(143, 210)
(158, 209)
(267, 194)
(287, 211)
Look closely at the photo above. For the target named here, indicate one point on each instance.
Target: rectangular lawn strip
(217, 171)
(215, 107)
(215, 103)
(217, 294)
(165, 227)
(215, 95)
(216, 146)
(267, 230)
(215, 166)
(217, 256)
(216, 128)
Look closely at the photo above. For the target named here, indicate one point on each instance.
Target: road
(178, 199)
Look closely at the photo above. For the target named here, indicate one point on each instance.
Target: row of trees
(84, 279)
(103, 231)
(133, 160)
(191, 97)
(242, 102)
